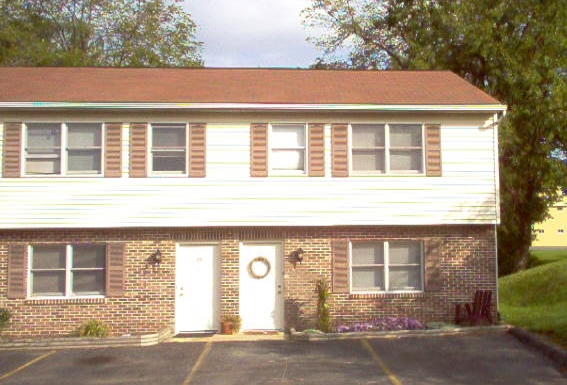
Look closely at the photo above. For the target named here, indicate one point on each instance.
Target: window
(288, 148)
(63, 148)
(169, 148)
(387, 148)
(386, 266)
(67, 270)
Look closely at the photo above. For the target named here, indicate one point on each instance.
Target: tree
(515, 50)
(147, 33)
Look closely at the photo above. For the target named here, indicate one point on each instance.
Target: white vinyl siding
(287, 148)
(63, 149)
(465, 194)
(67, 270)
(387, 148)
(391, 266)
(169, 149)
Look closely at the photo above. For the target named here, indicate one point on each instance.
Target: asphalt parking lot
(495, 358)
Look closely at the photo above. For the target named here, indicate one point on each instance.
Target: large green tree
(514, 49)
(97, 33)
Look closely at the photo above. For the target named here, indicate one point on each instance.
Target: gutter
(251, 106)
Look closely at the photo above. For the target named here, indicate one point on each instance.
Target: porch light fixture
(297, 256)
(154, 259)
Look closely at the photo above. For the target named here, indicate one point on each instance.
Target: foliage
(97, 33)
(94, 328)
(536, 299)
(383, 324)
(5, 316)
(323, 314)
(514, 50)
(234, 319)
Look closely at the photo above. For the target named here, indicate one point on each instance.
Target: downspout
(497, 119)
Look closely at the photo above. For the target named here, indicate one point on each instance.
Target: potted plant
(230, 323)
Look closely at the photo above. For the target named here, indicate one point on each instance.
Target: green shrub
(5, 316)
(94, 328)
(323, 315)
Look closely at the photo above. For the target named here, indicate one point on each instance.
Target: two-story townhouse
(157, 198)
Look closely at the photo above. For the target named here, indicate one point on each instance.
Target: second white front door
(261, 286)
(197, 288)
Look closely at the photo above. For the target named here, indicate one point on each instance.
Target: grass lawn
(548, 256)
(536, 299)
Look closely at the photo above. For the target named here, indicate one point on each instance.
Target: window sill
(60, 300)
(390, 294)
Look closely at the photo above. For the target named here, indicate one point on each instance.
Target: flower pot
(227, 327)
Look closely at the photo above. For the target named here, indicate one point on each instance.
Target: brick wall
(466, 262)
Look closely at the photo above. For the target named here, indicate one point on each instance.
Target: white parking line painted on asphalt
(22, 367)
(198, 364)
(391, 376)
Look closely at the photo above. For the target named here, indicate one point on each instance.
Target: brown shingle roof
(222, 85)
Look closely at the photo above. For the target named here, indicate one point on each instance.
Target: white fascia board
(250, 106)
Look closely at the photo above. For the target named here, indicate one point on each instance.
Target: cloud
(252, 33)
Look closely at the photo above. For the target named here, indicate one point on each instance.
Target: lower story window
(387, 266)
(67, 270)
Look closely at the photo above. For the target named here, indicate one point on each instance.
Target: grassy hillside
(536, 299)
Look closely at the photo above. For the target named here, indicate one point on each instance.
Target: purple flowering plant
(383, 324)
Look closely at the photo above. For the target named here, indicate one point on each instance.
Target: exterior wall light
(297, 256)
(154, 259)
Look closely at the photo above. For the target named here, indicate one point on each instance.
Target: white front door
(261, 286)
(197, 288)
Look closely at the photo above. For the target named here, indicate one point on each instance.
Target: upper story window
(63, 148)
(67, 270)
(387, 148)
(386, 266)
(288, 149)
(169, 148)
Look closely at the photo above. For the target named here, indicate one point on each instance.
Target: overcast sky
(252, 33)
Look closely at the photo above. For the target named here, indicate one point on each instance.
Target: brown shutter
(197, 150)
(16, 271)
(113, 150)
(316, 149)
(433, 149)
(138, 150)
(432, 265)
(115, 254)
(259, 149)
(339, 140)
(340, 267)
(12, 150)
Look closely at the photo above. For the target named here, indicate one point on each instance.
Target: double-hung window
(288, 148)
(63, 149)
(387, 148)
(169, 148)
(386, 266)
(68, 270)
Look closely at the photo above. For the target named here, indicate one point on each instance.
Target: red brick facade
(464, 260)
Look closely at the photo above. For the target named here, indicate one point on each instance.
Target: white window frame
(387, 149)
(151, 150)
(63, 151)
(68, 274)
(387, 265)
(272, 146)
